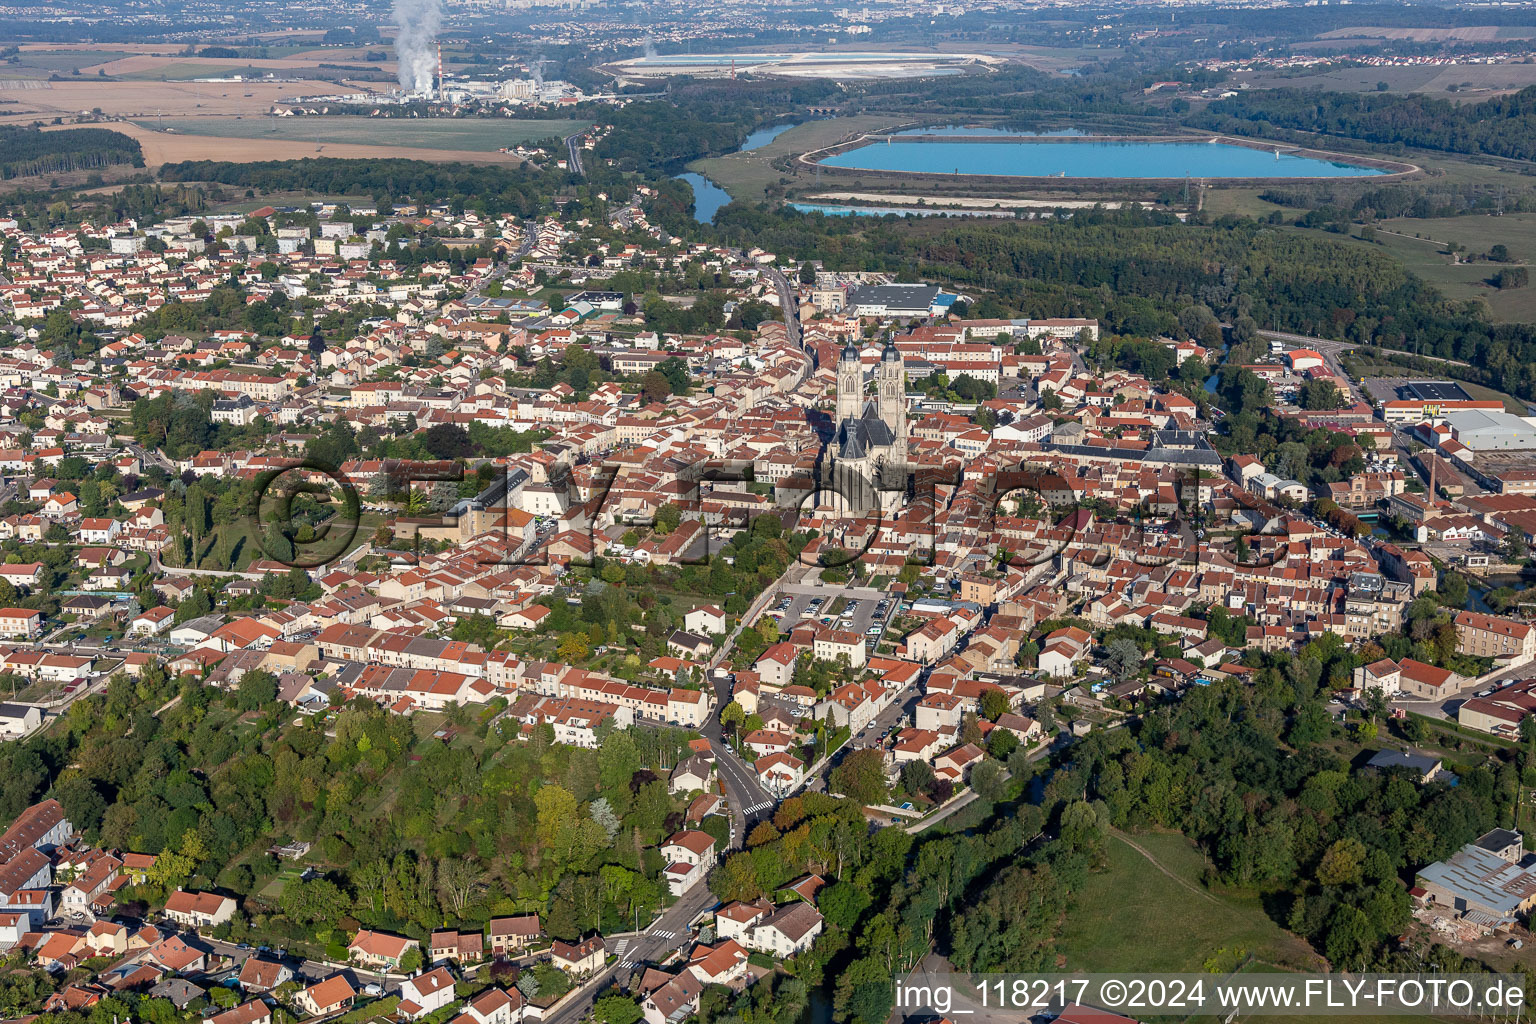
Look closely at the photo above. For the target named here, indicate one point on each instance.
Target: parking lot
(863, 609)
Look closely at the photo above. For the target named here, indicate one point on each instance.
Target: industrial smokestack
(440, 84)
(418, 22)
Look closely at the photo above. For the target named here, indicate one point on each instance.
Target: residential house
(462, 947)
(580, 959)
(707, 620)
(689, 855)
(780, 774)
(721, 964)
(22, 622)
(673, 1001)
(787, 931)
(1062, 650)
(259, 975)
(253, 1012)
(511, 935)
(379, 949)
(426, 993)
(692, 772)
(1487, 636)
(493, 1006)
(199, 909)
(333, 995)
(17, 720)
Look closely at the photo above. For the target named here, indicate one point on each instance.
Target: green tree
(916, 776)
(1342, 862)
(861, 776)
(668, 517)
(732, 716)
(994, 704)
(616, 1009)
(317, 900)
(1321, 394)
(573, 647)
(256, 690)
(1122, 657)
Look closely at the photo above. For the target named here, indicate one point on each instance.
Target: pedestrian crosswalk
(620, 947)
(761, 805)
(666, 935)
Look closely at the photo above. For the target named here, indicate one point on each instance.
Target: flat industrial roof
(1436, 391)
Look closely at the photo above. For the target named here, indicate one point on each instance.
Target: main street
(748, 801)
(788, 303)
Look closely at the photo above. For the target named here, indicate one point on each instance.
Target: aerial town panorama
(565, 511)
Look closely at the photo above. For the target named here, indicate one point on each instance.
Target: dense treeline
(40, 209)
(30, 151)
(1438, 199)
(701, 118)
(522, 190)
(1503, 126)
(661, 136)
(1132, 269)
(1246, 772)
(1019, 94)
(413, 831)
(1135, 270)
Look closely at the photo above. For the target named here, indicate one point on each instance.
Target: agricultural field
(155, 69)
(1462, 82)
(1434, 34)
(66, 98)
(42, 63)
(1421, 247)
(1421, 244)
(483, 135)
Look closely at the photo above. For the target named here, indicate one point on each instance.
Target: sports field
(482, 135)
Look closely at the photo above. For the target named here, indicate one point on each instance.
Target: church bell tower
(850, 384)
(891, 397)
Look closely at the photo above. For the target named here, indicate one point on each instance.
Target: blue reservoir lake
(1139, 159)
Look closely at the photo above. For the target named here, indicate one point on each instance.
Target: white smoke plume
(418, 22)
(650, 47)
